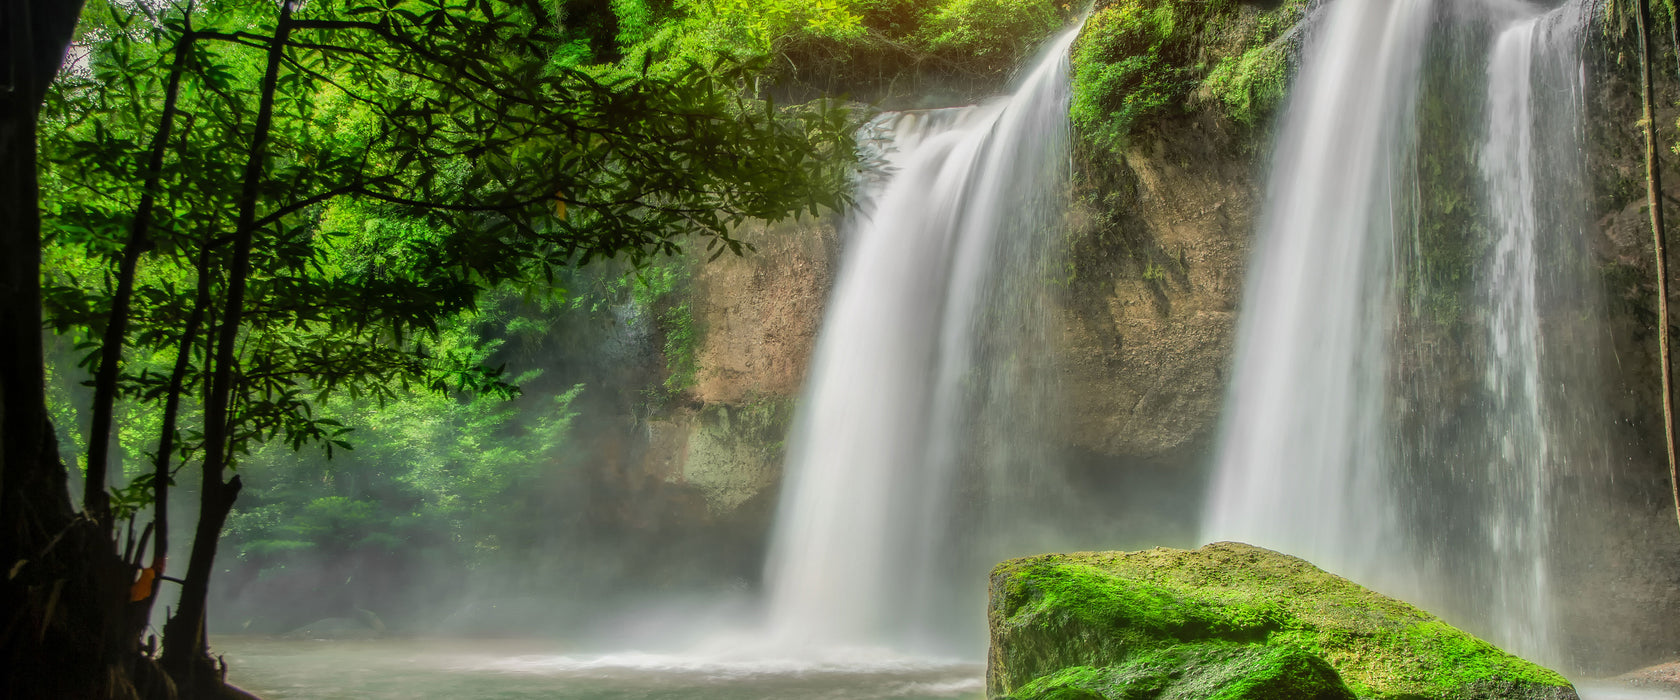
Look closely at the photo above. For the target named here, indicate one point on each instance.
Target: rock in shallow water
(1229, 621)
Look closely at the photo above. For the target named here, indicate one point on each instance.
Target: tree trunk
(166, 436)
(94, 498)
(1653, 192)
(185, 652)
(62, 632)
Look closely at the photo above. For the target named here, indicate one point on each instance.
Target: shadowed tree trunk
(63, 589)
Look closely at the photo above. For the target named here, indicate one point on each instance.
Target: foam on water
(1607, 691)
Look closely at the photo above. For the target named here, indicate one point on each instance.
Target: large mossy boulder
(1229, 621)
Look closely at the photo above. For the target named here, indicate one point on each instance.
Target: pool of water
(1592, 690)
(278, 669)
(421, 669)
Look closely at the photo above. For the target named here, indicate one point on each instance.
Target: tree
(204, 162)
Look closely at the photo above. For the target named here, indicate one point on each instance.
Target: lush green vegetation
(1143, 60)
(1169, 82)
(275, 227)
(839, 46)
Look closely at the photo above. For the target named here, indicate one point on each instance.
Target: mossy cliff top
(1225, 621)
(1141, 61)
(898, 53)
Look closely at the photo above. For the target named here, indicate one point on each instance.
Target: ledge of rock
(1233, 622)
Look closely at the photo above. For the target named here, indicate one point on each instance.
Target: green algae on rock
(1193, 671)
(1228, 621)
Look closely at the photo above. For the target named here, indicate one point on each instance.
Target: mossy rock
(1109, 612)
(1197, 671)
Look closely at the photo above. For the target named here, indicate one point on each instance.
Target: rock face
(1165, 203)
(1149, 327)
(760, 313)
(1228, 621)
(755, 320)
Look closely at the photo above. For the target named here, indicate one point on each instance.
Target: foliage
(428, 470)
(1142, 60)
(987, 29)
(392, 196)
(840, 44)
(337, 183)
(662, 289)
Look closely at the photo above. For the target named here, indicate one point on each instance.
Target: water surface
(420, 669)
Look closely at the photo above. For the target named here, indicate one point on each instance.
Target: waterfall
(1300, 464)
(931, 303)
(1517, 528)
(1402, 440)
(1530, 144)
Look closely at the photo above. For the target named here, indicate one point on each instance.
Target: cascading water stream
(1320, 453)
(968, 214)
(1518, 525)
(1300, 464)
(1518, 528)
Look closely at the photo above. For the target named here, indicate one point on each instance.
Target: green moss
(1200, 672)
(1139, 61)
(662, 288)
(1108, 609)
(1127, 612)
(1249, 86)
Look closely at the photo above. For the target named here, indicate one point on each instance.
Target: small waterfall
(1517, 528)
(1301, 462)
(1530, 160)
(929, 322)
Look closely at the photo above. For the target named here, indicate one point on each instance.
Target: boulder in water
(1229, 621)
